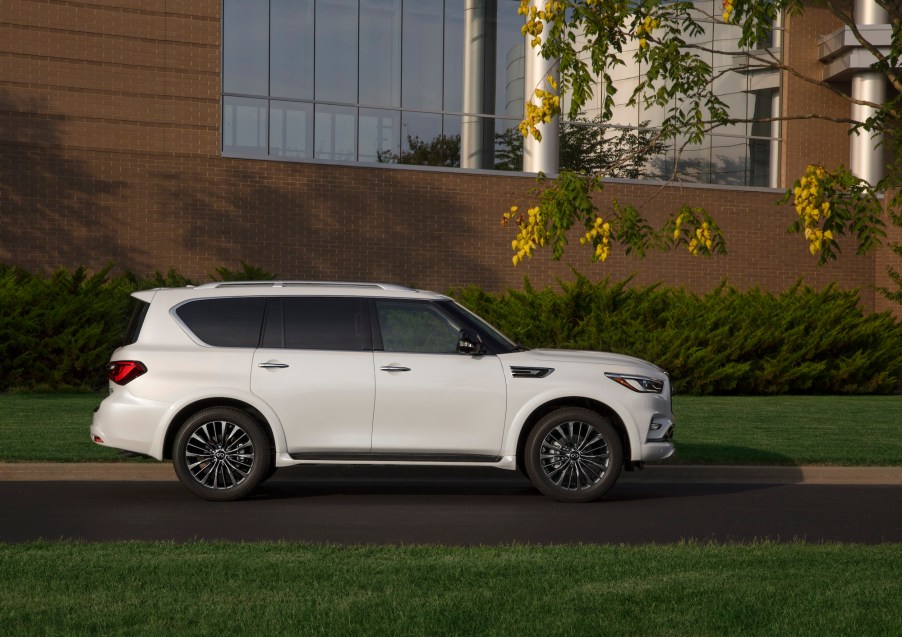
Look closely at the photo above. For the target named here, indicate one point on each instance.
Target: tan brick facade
(109, 151)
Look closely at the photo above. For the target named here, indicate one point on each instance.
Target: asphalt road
(366, 505)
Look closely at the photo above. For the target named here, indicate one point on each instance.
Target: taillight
(123, 372)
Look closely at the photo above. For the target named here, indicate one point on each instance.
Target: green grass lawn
(291, 589)
(776, 430)
(789, 430)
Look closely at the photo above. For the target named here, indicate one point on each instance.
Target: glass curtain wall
(441, 83)
(383, 81)
(738, 155)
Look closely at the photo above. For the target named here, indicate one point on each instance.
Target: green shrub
(57, 331)
(723, 342)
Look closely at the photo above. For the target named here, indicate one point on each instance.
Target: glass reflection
(244, 125)
(291, 130)
(422, 41)
(424, 144)
(333, 76)
(510, 45)
(380, 136)
(380, 52)
(291, 49)
(335, 132)
(453, 56)
(245, 27)
(336, 51)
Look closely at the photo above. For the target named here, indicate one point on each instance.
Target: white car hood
(613, 362)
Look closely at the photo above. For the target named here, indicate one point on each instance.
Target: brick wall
(109, 151)
(810, 141)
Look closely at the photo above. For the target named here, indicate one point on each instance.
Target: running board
(394, 457)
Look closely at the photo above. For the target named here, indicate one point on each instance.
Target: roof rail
(284, 284)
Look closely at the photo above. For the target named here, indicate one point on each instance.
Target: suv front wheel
(573, 455)
(221, 453)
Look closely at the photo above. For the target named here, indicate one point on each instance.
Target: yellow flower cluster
(536, 16)
(811, 206)
(702, 238)
(531, 231)
(678, 224)
(600, 236)
(648, 25)
(701, 241)
(549, 105)
(727, 10)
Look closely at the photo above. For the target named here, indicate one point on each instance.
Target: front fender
(521, 417)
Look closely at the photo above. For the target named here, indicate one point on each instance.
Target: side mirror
(468, 342)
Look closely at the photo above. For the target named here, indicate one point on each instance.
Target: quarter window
(224, 322)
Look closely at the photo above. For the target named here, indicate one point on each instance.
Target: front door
(429, 398)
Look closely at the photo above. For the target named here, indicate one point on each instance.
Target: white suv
(232, 380)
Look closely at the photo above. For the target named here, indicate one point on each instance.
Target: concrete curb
(91, 472)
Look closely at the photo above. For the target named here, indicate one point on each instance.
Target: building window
(441, 83)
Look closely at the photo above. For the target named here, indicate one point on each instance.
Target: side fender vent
(531, 372)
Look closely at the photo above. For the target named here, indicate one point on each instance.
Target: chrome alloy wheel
(574, 455)
(219, 454)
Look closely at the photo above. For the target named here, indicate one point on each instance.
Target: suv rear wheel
(574, 455)
(221, 453)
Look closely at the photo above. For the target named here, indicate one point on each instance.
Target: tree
(442, 150)
(590, 38)
(588, 147)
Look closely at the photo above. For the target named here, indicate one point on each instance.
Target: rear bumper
(125, 422)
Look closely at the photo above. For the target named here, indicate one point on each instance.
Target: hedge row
(724, 342)
(58, 330)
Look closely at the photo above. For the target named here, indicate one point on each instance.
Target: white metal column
(540, 156)
(471, 128)
(866, 152)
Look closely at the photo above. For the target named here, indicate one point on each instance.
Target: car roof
(290, 288)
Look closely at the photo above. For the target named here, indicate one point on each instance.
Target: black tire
(574, 455)
(221, 454)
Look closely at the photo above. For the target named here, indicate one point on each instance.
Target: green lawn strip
(772, 430)
(789, 430)
(39, 427)
(273, 588)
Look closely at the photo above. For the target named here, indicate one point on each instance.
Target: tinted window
(416, 327)
(224, 322)
(135, 323)
(325, 323)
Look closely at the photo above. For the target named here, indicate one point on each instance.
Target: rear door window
(233, 322)
(320, 323)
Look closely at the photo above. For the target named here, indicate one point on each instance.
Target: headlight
(641, 384)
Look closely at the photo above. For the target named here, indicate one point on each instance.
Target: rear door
(315, 369)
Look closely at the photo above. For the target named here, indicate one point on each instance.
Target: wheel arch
(192, 408)
(574, 401)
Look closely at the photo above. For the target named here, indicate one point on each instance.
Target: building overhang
(761, 77)
(843, 55)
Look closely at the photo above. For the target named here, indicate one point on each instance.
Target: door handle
(273, 365)
(394, 368)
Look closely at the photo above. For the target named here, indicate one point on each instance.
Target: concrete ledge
(100, 472)
(88, 472)
(767, 475)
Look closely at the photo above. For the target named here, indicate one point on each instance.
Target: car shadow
(318, 481)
